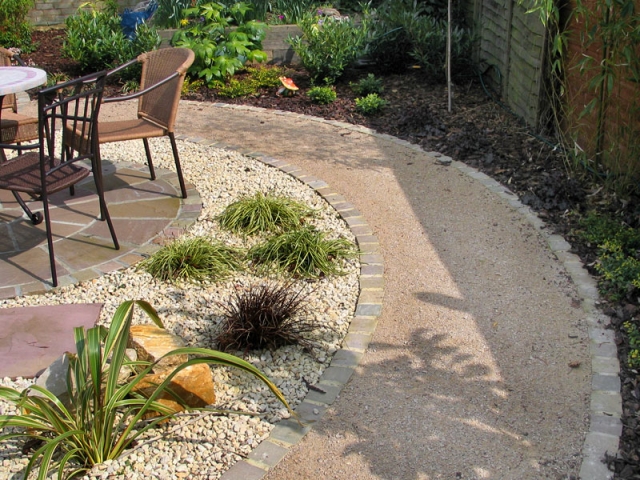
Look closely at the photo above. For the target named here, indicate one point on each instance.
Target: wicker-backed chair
(15, 128)
(62, 109)
(163, 73)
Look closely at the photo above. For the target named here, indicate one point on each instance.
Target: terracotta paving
(143, 212)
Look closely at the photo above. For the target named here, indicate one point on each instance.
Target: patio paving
(144, 212)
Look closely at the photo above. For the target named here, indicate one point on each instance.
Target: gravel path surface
(468, 374)
(479, 367)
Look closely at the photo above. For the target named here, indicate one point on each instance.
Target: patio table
(16, 79)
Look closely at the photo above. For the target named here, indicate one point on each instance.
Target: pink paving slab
(31, 338)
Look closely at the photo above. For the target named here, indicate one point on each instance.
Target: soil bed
(480, 133)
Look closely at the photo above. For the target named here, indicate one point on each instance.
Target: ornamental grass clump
(104, 415)
(263, 214)
(193, 259)
(304, 252)
(267, 316)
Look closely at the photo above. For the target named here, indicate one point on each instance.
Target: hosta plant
(103, 416)
(305, 252)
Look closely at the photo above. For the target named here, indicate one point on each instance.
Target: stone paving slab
(31, 338)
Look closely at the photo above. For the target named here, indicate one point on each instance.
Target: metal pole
(449, 93)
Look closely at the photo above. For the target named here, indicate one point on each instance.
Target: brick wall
(54, 12)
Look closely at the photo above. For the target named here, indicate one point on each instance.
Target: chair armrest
(141, 92)
(122, 67)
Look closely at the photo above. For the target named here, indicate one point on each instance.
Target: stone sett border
(605, 426)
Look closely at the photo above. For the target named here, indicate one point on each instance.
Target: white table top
(19, 79)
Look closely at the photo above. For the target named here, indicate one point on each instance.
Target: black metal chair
(69, 110)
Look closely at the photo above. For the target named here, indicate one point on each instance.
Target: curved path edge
(605, 426)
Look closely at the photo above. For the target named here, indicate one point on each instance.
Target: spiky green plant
(105, 416)
(267, 316)
(304, 252)
(193, 259)
(263, 213)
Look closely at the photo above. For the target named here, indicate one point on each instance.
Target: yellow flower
(184, 22)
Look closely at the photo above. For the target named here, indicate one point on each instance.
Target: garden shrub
(429, 47)
(328, 46)
(15, 29)
(371, 104)
(322, 95)
(407, 31)
(367, 85)
(95, 40)
(219, 50)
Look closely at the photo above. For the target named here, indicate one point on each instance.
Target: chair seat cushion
(22, 174)
(128, 130)
(16, 128)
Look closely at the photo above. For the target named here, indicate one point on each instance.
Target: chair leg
(47, 221)
(176, 158)
(149, 161)
(104, 212)
(36, 218)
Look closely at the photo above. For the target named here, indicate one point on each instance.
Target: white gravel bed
(203, 446)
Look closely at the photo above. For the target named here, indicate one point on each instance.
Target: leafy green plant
(633, 335)
(371, 104)
(234, 88)
(328, 46)
(56, 78)
(193, 259)
(219, 50)
(367, 85)
(266, 316)
(170, 13)
(15, 29)
(284, 11)
(411, 31)
(104, 416)
(322, 95)
(618, 261)
(620, 270)
(95, 39)
(390, 44)
(428, 38)
(191, 86)
(598, 229)
(130, 86)
(265, 76)
(304, 252)
(263, 213)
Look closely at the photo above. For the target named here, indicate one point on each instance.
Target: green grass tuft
(305, 252)
(194, 259)
(263, 213)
